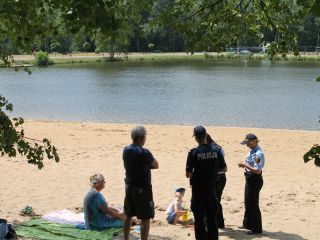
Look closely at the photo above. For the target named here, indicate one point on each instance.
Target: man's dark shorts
(139, 202)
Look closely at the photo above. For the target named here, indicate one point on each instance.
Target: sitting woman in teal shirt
(98, 214)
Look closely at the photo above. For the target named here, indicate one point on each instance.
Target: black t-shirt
(204, 163)
(137, 162)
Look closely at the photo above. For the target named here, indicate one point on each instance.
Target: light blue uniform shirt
(251, 158)
(94, 217)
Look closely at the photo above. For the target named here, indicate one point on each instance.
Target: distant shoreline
(72, 58)
(186, 125)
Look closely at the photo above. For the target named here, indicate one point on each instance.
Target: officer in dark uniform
(221, 183)
(253, 172)
(202, 168)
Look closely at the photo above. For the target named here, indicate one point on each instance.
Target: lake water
(220, 93)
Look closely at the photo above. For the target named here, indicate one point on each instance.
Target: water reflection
(226, 93)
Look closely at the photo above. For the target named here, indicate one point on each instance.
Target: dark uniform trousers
(252, 216)
(204, 206)
(221, 183)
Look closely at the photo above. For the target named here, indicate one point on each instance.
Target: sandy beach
(289, 200)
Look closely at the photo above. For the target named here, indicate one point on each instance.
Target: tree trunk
(137, 41)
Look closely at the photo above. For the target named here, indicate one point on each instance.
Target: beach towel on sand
(43, 230)
(64, 217)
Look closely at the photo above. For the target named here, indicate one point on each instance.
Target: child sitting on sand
(175, 210)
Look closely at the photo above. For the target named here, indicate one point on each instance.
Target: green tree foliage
(313, 154)
(13, 140)
(246, 22)
(115, 43)
(149, 30)
(86, 46)
(74, 47)
(213, 25)
(23, 22)
(110, 26)
(310, 31)
(55, 47)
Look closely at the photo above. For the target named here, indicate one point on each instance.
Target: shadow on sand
(156, 237)
(242, 235)
(151, 236)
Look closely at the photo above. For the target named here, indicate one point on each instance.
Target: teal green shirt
(93, 216)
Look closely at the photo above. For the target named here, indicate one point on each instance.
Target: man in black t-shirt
(138, 162)
(202, 168)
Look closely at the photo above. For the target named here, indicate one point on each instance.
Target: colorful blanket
(43, 230)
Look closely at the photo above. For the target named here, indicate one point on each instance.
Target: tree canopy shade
(24, 21)
(212, 25)
(208, 25)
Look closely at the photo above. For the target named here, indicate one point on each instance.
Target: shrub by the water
(318, 79)
(42, 58)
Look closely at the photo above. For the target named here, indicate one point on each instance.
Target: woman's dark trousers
(252, 217)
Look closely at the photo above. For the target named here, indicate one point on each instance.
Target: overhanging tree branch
(274, 27)
(13, 141)
(211, 6)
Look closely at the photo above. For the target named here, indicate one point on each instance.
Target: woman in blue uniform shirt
(253, 173)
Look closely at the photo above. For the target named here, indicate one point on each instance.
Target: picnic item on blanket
(39, 229)
(64, 216)
(26, 211)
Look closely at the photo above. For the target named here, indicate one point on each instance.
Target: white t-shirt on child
(170, 208)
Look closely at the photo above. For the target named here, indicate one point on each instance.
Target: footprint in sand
(234, 211)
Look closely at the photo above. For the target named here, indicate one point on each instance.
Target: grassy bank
(258, 56)
(104, 57)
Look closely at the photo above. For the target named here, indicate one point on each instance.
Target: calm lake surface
(221, 93)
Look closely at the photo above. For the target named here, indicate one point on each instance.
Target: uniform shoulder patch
(257, 159)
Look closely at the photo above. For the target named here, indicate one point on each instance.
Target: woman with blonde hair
(98, 214)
